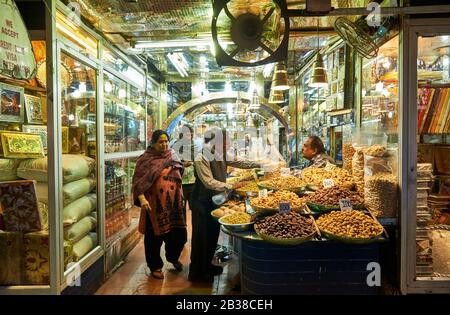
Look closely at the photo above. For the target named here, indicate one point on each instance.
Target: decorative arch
(222, 97)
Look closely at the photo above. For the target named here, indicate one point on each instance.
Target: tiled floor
(133, 276)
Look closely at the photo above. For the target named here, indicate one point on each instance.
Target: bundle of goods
(290, 183)
(351, 226)
(286, 228)
(272, 201)
(381, 194)
(347, 155)
(24, 243)
(314, 177)
(228, 208)
(358, 169)
(79, 200)
(327, 199)
(425, 253)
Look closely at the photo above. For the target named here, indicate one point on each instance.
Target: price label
(345, 204)
(327, 183)
(285, 207)
(263, 193)
(285, 171)
(329, 167)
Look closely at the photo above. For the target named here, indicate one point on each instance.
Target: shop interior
(88, 82)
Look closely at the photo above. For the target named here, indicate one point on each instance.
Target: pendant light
(276, 97)
(280, 78)
(319, 74)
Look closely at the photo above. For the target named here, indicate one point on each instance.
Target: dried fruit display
(350, 224)
(286, 226)
(283, 183)
(273, 200)
(314, 176)
(228, 208)
(237, 218)
(330, 197)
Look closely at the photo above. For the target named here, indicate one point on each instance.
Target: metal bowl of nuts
(350, 227)
(237, 222)
(286, 229)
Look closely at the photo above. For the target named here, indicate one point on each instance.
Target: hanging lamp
(319, 74)
(276, 97)
(280, 78)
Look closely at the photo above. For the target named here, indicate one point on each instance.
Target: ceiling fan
(251, 36)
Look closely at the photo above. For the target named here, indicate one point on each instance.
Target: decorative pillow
(8, 169)
(84, 246)
(77, 231)
(78, 209)
(74, 167)
(71, 191)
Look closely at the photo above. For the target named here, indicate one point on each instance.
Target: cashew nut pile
(273, 200)
(315, 176)
(352, 223)
(281, 183)
(286, 226)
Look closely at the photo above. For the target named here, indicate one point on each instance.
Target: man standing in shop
(314, 151)
(210, 172)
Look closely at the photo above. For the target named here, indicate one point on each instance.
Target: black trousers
(187, 192)
(205, 234)
(174, 243)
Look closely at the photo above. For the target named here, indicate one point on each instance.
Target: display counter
(314, 267)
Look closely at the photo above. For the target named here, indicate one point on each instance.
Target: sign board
(263, 193)
(285, 207)
(327, 183)
(16, 54)
(345, 204)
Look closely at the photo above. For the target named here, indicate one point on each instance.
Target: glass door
(433, 158)
(425, 251)
(79, 158)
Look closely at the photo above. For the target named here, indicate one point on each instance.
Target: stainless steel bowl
(237, 227)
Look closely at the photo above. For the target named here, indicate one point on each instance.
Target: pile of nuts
(273, 200)
(330, 196)
(251, 186)
(354, 224)
(315, 176)
(375, 150)
(286, 226)
(237, 218)
(380, 194)
(283, 183)
(347, 153)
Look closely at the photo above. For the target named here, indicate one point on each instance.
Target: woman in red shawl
(157, 190)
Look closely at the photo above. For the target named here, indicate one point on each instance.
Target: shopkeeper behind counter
(314, 151)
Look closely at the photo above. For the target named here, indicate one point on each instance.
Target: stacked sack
(79, 200)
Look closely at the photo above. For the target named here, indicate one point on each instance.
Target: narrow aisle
(133, 277)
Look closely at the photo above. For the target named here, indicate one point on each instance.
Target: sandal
(158, 274)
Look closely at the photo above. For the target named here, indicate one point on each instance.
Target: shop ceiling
(162, 22)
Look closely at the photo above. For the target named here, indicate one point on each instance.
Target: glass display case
(79, 158)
